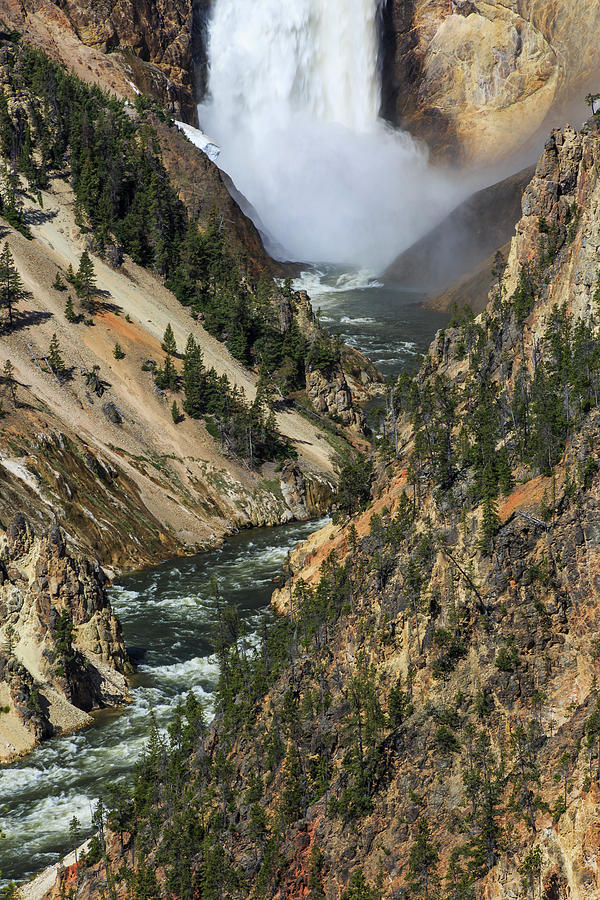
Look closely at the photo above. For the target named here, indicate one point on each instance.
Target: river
(170, 612)
(386, 322)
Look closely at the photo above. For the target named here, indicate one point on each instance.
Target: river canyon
(301, 120)
(170, 613)
(299, 132)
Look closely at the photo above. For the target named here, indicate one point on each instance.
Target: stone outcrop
(305, 497)
(561, 207)
(337, 389)
(331, 396)
(62, 652)
(480, 79)
(157, 44)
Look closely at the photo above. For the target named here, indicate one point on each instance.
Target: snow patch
(200, 140)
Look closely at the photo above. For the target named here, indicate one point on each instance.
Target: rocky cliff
(424, 719)
(464, 240)
(155, 43)
(474, 79)
(62, 650)
(479, 79)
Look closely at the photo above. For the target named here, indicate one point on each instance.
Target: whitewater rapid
(293, 103)
(171, 612)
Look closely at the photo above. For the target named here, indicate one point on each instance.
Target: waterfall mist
(294, 97)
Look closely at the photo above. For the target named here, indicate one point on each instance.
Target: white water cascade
(294, 97)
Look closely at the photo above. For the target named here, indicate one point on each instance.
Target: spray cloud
(294, 97)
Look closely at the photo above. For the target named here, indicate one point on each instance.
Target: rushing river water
(387, 323)
(170, 612)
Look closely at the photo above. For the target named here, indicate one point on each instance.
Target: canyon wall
(478, 79)
(428, 717)
(156, 42)
(481, 78)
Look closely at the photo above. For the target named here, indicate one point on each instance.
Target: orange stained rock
(527, 497)
(130, 331)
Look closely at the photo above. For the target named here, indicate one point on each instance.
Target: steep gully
(371, 224)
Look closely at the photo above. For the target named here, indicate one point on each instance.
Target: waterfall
(293, 101)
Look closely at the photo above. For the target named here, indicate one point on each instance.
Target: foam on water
(386, 323)
(188, 672)
(319, 282)
(171, 612)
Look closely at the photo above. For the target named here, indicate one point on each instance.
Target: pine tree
(10, 201)
(484, 785)
(490, 522)
(70, 314)
(530, 871)
(176, 413)
(167, 378)
(423, 859)
(58, 284)
(74, 834)
(70, 276)
(6, 127)
(118, 352)
(498, 268)
(79, 215)
(11, 286)
(194, 380)
(458, 882)
(55, 360)
(265, 390)
(359, 889)
(293, 797)
(26, 161)
(85, 281)
(169, 344)
(9, 381)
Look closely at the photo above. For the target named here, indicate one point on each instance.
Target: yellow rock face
(484, 78)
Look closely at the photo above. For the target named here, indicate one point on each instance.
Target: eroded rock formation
(439, 695)
(480, 78)
(62, 649)
(156, 40)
